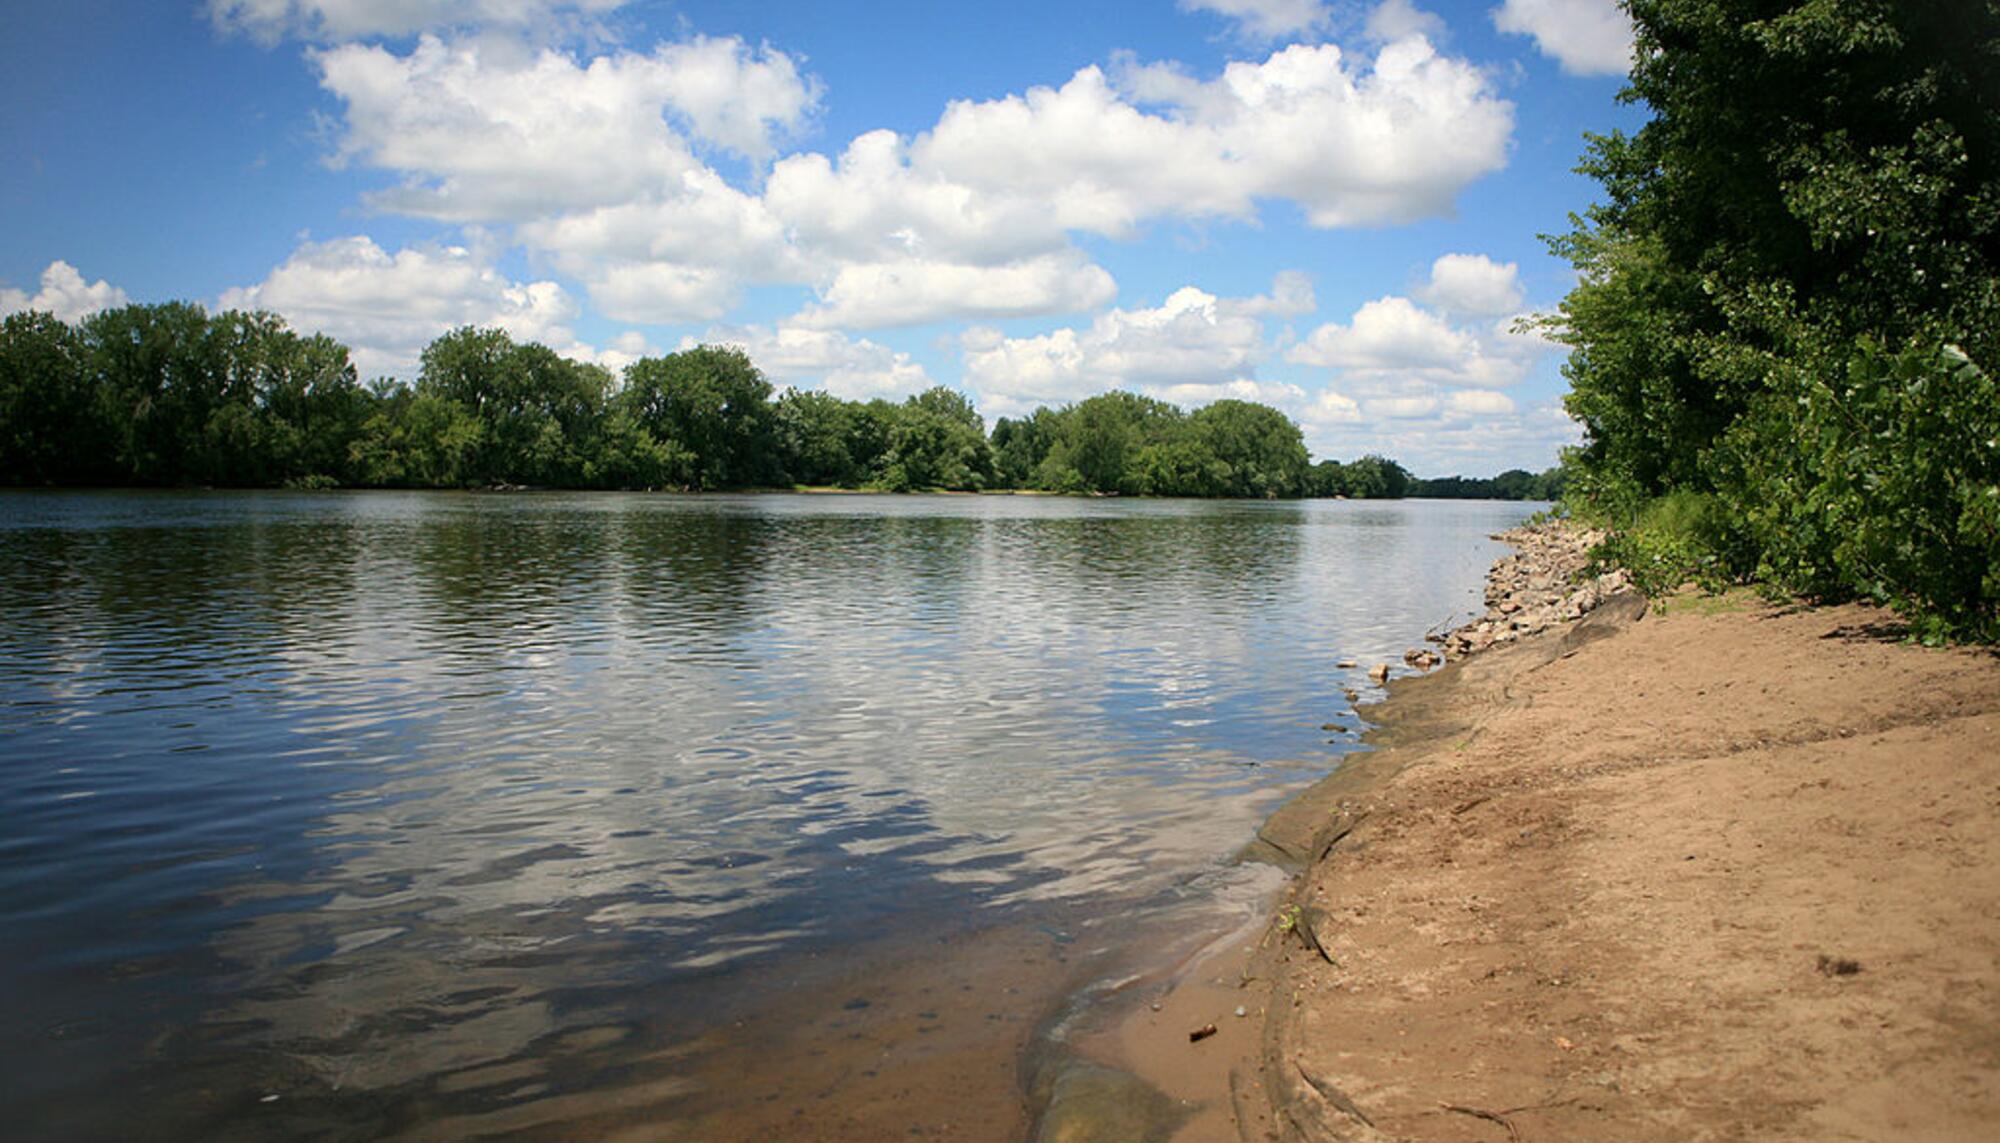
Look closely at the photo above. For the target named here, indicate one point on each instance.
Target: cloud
(328, 20)
(872, 205)
(1587, 37)
(602, 167)
(1410, 382)
(1450, 441)
(482, 135)
(624, 349)
(871, 295)
(853, 368)
(1395, 341)
(1478, 402)
(64, 294)
(387, 307)
(1267, 19)
(679, 257)
(1193, 348)
(1395, 19)
(1474, 284)
(1350, 141)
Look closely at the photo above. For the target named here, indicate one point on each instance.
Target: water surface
(414, 807)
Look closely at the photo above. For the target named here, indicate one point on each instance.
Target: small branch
(1490, 1116)
(1334, 1095)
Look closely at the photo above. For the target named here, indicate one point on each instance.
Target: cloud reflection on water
(457, 774)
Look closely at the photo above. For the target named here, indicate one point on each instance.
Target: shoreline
(1726, 868)
(1131, 1081)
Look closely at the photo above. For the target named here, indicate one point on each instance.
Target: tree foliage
(1789, 299)
(169, 394)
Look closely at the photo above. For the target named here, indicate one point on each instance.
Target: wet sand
(1727, 871)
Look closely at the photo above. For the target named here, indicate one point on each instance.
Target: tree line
(1786, 331)
(171, 395)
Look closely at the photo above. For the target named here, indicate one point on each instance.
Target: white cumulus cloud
(386, 307)
(1353, 141)
(602, 166)
(1193, 348)
(1394, 19)
(871, 295)
(872, 205)
(1267, 19)
(480, 134)
(1587, 37)
(63, 293)
(1474, 284)
(1393, 340)
(856, 369)
(1411, 382)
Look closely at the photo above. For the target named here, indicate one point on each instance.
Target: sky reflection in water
(395, 786)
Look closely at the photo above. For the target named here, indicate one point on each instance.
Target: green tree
(815, 432)
(52, 424)
(538, 412)
(1376, 478)
(1809, 219)
(714, 403)
(149, 365)
(1263, 450)
(1020, 446)
(936, 440)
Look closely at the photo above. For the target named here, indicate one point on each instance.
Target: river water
(361, 815)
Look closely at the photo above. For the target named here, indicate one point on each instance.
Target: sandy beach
(1719, 870)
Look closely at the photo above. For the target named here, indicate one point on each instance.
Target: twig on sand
(1490, 1116)
(1334, 1095)
(1501, 1116)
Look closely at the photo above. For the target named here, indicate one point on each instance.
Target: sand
(1726, 871)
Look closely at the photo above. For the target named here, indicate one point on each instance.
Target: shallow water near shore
(365, 814)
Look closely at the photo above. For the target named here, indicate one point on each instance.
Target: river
(358, 815)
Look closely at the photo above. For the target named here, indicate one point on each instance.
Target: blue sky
(1330, 207)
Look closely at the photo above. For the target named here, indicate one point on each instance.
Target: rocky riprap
(1540, 585)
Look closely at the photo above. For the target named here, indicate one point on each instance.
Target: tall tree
(714, 403)
(1805, 232)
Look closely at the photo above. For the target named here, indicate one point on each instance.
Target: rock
(1538, 586)
(1347, 664)
(1379, 673)
(1090, 1103)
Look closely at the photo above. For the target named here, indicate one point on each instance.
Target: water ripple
(391, 785)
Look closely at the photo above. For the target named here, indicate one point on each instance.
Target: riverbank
(1725, 870)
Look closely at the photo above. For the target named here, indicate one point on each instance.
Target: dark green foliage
(169, 394)
(1019, 447)
(50, 430)
(712, 402)
(1370, 478)
(819, 434)
(1513, 484)
(1790, 299)
(1258, 451)
(537, 413)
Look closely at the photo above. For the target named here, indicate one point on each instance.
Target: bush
(1680, 538)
